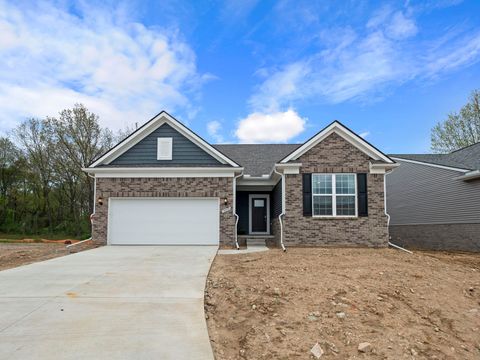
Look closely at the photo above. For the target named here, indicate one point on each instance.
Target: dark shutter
(307, 194)
(362, 194)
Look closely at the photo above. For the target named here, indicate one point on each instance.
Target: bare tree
(80, 140)
(460, 129)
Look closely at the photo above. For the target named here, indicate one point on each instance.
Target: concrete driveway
(114, 302)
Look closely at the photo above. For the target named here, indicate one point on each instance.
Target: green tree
(43, 190)
(460, 129)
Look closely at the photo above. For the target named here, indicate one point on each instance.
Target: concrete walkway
(250, 249)
(114, 302)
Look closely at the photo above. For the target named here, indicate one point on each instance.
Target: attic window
(164, 148)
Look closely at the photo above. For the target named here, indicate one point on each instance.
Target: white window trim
(169, 141)
(334, 197)
(267, 199)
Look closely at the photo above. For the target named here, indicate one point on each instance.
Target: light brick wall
(335, 155)
(164, 187)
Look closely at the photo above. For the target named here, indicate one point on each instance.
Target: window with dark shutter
(362, 195)
(307, 194)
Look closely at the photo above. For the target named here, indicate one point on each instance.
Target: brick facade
(335, 155)
(332, 155)
(164, 187)
(456, 237)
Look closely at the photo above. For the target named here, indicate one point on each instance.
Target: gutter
(234, 207)
(471, 175)
(283, 209)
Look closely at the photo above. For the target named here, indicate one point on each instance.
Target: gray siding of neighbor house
(430, 209)
(422, 194)
(185, 152)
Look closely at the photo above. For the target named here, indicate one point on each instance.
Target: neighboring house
(165, 185)
(434, 200)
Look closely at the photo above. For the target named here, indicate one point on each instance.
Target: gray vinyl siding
(422, 194)
(185, 152)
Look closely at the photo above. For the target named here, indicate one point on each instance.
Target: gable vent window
(164, 148)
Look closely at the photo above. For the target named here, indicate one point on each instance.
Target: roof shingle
(466, 158)
(257, 159)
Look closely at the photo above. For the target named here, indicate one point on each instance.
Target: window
(164, 148)
(334, 195)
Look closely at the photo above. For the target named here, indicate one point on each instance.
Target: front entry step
(256, 240)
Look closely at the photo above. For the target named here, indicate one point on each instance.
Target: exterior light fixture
(225, 201)
(100, 200)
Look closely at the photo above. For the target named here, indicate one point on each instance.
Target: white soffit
(162, 172)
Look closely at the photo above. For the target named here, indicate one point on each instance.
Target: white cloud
(121, 70)
(401, 27)
(277, 127)
(213, 128)
(280, 87)
(364, 134)
(363, 64)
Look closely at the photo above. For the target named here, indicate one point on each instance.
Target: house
(166, 185)
(434, 200)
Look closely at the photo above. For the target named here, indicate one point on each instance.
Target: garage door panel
(173, 221)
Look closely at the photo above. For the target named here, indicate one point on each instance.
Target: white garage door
(166, 221)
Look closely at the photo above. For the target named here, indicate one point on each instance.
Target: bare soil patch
(21, 253)
(276, 305)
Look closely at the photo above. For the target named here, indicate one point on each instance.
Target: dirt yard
(17, 254)
(276, 305)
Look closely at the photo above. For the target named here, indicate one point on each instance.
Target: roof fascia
(152, 125)
(346, 134)
(431, 164)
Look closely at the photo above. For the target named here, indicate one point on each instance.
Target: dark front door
(259, 214)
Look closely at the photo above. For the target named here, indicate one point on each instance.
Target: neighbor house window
(334, 195)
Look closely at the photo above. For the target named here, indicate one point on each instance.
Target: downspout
(234, 207)
(385, 197)
(94, 200)
(283, 208)
(386, 213)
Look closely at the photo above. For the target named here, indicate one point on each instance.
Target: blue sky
(245, 71)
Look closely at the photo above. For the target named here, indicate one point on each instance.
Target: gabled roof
(467, 158)
(257, 159)
(348, 135)
(150, 126)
